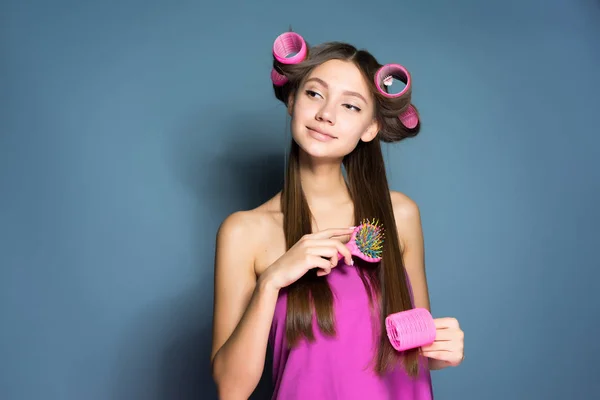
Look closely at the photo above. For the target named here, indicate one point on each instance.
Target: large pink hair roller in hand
(384, 77)
(410, 329)
(288, 48)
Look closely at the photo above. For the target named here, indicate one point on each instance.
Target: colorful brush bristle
(366, 241)
(369, 239)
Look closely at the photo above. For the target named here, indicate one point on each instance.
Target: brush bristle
(369, 238)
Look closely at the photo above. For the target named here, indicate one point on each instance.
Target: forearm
(239, 363)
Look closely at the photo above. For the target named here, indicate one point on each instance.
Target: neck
(323, 182)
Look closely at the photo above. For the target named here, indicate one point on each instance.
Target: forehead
(341, 75)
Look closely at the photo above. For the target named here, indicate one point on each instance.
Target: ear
(290, 103)
(371, 131)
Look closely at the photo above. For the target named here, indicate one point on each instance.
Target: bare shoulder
(235, 232)
(238, 225)
(408, 220)
(243, 232)
(406, 210)
(247, 222)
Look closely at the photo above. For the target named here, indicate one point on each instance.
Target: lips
(321, 132)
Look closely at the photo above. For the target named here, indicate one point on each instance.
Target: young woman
(278, 278)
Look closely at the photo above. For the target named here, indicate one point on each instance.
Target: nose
(326, 115)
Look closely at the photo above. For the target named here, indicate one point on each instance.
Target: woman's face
(332, 110)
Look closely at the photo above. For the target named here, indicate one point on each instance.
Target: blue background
(130, 129)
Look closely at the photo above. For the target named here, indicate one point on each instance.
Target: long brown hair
(386, 282)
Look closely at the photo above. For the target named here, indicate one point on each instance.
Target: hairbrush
(366, 241)
(288, 48)
(384, 77)
(410, 329)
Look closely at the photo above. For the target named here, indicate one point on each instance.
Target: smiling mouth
(321, 133)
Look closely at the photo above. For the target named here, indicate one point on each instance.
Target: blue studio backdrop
(129, 130)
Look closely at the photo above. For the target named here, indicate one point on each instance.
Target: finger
(327, 253)
(324, 242)
(339, 246)
(445, 335)
(439, 355)
(446, 322)
(451, 358)
(324, 271)
(343, 238)
(436, 346)
(319, 262)
(343, 250)
(334, 260)
(331, 249)
(329, 233)
(453, 346)
(322, 251)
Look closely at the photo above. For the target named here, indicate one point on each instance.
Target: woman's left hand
(448, 346)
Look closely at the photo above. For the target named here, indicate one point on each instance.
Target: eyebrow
(347, 92)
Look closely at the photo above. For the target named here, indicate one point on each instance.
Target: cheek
(349, 135)
(353, 128)
(304, 109)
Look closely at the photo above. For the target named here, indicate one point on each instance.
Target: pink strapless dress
(339, 368)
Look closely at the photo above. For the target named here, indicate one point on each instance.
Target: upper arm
(410, 232)
(234, 279)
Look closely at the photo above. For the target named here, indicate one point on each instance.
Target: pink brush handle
(351, 245)
(410, 329)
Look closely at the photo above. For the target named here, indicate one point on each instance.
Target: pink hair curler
(410, 329)
(289, 43)
(409, 118)
(277, 78)
(384, 76)
(386, 73)
(288, 48)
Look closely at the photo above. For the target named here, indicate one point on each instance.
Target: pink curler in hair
(286, 44)
(289, 43)
(410, 329)
(392, 71)
(277, 78)
(409, 118)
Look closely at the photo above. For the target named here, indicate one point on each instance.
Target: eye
(312, 93)
(351, 107)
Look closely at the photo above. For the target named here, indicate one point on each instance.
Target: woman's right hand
(315, 250)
